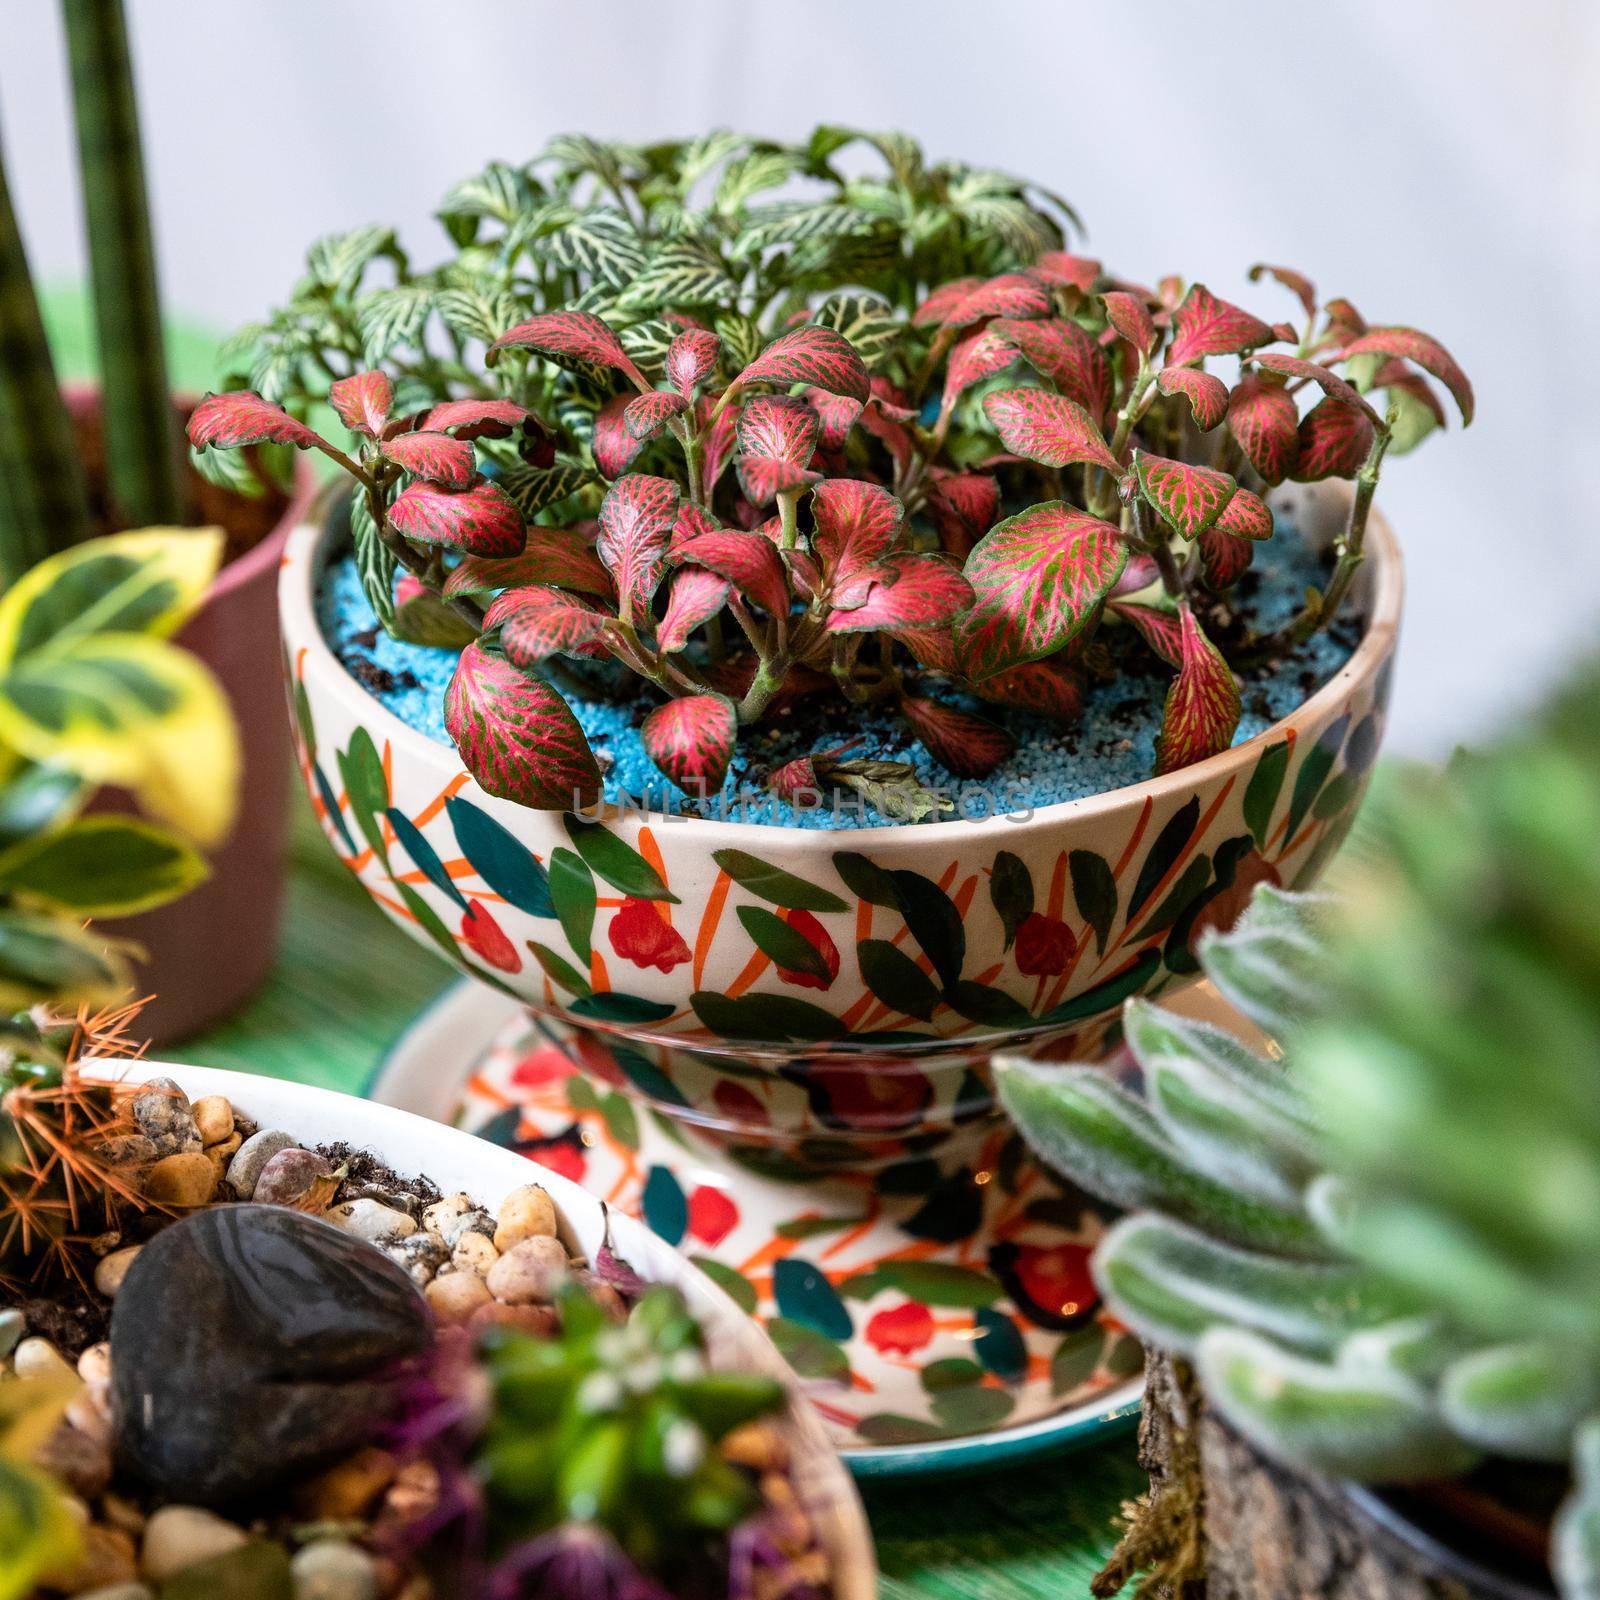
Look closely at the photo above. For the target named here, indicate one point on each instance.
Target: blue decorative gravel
(1113, 744)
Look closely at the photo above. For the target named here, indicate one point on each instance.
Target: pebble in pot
(249, 1345)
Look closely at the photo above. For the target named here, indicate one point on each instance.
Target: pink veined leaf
(881, 417)
(1067, 355)
(1038, 578)
(476, 419)
(858, 524)
(1049, 688)
(748, 561)
(1397, 375)
(434, 456)
(1206, 326)
(691, 521)
(636, 521)
(1065, 271)
(615, 446)
(1131, 318)
(1140, 572)
(1011, 294)
(1246, 516)
(694, 597)
(942, 301)
(691, 740)
(777, 436)
(1265, 422)
(902, 592)
(1159, 629)
(717, 439)
(813, 355)
(538, 621)
(963, 506)
(1334, 441)
(517, 736)
(1048, 428)
(1224, 556)
(578, 335)
(1206, 393)
(1188, 497)
(691, 358)
(795, 779)
(967, 745)
(559, 556)
(1285, 332)
(242, 417)
(977, 356)
(646, 415)
(934, 648)
(1202, 708)
(478, 521)
(837, 414)
(362, 401)
(1297, 283)
(1330, 382)
(1407, 344)
(1343, 321)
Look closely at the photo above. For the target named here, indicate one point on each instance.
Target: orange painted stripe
(599, 978)
(1058, 885)
(753, 968)
(1133, 840)
(651, 851)
(708, 924)
(436, 805)
(775, 1249)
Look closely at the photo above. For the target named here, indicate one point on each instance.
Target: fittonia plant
(751, 452)
(1382, 1256)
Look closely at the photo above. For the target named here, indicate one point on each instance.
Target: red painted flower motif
(567, 1159)
(880, 1094)
(484, 934)
(1225, 908)
(900, 1330)
(712, 1215)
(815, 935)
(640, 934)
(1044, 946)
(1050, 1284)
(739, 1105)
(541, 1067)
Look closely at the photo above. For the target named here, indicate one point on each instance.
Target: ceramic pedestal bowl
(806, 1014)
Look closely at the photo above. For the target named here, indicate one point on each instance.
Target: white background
(1438, 161)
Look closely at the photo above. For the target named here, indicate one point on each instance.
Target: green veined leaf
(867, 320)
(600, 243)
(338, 260)
(376, 565)
(683, 273)
(101, 866)
(536, 489)
(499, 192)
(478, 313)
(390, 319)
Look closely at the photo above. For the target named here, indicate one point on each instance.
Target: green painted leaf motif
(999, 1344)
(765, 1018)
(804, 1295)
(934, 922)
(1261, 793)
(950, 1372)
(665, 1208)
(1094, 890)
(887, 1427)
(1191, 882)
(616, 861)
(366, 786)
(774, 884)
(1175, 834)
(425, 857)
(1074, 1361)
(1314, 770)
(573, 893)
(896, 980)
(1038, 578)
(866, 879)
(1108, 995)
(560, 971)
(616, 1111)
(331, 803)
(1011, 892)
(972, 1410)
(785, 946)
(738, 1287)
(811, 1354)
(429, 921)
(984, 1004)
(934, 1283)
(504, 863)
(1336, 794)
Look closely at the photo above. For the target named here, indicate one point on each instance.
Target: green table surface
(346, 984)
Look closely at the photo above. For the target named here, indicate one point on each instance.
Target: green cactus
(1381, 1253)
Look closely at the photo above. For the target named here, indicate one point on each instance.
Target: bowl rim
(302, 566)
(841, 1517)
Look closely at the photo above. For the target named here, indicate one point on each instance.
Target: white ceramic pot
(455, 1161)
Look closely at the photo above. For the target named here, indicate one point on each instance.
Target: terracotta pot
(929, 946)
(457, 1162)
(208, 952)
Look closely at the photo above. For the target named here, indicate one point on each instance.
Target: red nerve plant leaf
(978, 356)
(970, 746)
(538, 621)
(478, 521)
(1188, 497)
(243, 417)
(559, 556)
(1207, 326)
(475, 419)
(691, 740)
(904, 592)
(1426, 352)
(812, 355)
(362, 402)
(577, 335)
(1332, 384)
(517, 736)
(434, 456)
(1334, 441)
(636, 519)
(1048, 428)
(614, 445)
(646, 415)
(691, 358)
(1207, 394)
(695, 596)
(857, 525)
(1037, 578)
(749, 561)
(1012, 294)
(1265, 422)
(777, 436)
(1202, 708)
(1159, 629)
(1246, 516)
(1131, 318)
(1065, 354)
(1050, 688)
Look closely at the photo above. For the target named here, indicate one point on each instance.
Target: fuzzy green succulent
(1380, 1249)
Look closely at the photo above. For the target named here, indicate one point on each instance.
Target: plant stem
(1133, 408)
(43, 504)
(788, 504)
(141, 430)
